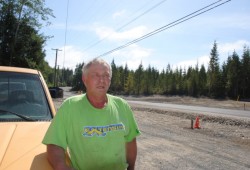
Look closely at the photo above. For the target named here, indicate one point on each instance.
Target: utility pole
(57, 77)
(55, 66)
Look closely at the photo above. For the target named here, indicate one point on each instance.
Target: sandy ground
(168, 142)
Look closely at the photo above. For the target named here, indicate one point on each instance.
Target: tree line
(230, 80)
(21, 45)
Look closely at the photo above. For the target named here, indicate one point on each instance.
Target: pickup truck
(26, 110)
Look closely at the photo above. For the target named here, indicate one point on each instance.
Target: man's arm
(131, 152)
(56, 157)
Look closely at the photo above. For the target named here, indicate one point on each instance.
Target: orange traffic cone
(197, 123)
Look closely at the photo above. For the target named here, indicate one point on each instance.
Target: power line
(66, 30)
(126, 24)
(148, 10)
(65, 40)
(172, 24)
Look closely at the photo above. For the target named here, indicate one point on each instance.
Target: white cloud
(230, 47)
(223, 49)
(133, 56)
(202, 60)
(112, 35)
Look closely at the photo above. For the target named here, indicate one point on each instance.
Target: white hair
(86, 66)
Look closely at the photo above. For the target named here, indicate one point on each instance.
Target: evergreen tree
(168, 78)
(138, 79)
(77, 83)
(202, 81)
(214, 72)
(122, 79)
(67, 77)
(172, 80)
(162, 88)
(125, 77)
(149, 82)
(245, 73)
(192, 81)
(155, 78)
(116, 85)
(233, 72)
(129, 85)
(113, 80)
(185, 84)
(181, 84)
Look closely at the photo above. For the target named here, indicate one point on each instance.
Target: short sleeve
(133, 127)
(56, 133)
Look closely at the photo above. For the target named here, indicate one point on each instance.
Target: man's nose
(101, 78)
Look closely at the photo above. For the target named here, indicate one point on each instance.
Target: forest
(230, 80)
(22, 45)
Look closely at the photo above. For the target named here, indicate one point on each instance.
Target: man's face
(97, 80)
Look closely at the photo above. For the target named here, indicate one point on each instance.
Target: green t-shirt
(94, 137)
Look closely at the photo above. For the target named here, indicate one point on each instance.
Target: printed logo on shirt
(89, 131)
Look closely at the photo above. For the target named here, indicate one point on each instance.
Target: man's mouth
(100, 87)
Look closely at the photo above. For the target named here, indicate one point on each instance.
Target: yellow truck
(26, 110)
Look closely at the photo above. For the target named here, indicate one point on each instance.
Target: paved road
(193, 109)
(178, 107)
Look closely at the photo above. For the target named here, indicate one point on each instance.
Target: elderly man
(97, 129)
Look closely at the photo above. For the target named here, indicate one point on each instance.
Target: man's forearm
(131, 150)
(56, 157)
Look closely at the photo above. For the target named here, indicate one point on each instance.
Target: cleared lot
(168, 142)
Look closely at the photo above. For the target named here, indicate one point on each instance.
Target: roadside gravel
(168, 142)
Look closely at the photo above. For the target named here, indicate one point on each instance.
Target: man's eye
(105, 76)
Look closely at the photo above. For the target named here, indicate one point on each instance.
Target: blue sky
(109, 24)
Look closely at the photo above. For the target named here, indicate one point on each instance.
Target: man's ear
(83, 79)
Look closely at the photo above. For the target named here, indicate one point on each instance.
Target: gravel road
(168, 142)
